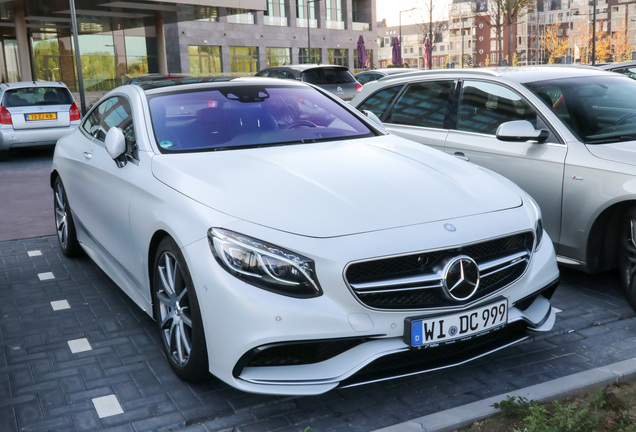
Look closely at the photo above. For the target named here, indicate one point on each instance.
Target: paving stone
(595, 328)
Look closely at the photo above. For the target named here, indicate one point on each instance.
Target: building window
(202, 13)
(275, 13)
(240, 16)
(334, 14)
(338, 56)
(301, 13)
(204, 59)
(244, 59)
(136, 55)
(315, 56)
(278, 56)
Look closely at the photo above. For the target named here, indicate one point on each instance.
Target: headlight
(538, 224)
(264, 265)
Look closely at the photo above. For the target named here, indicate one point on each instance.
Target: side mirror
(116, 145)
(521, 131)
(375, 119)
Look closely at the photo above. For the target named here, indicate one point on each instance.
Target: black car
(335, 79)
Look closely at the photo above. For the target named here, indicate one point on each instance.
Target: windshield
(598, 109)
(248, 116)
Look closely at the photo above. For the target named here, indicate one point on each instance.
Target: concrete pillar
(24, 56)
(162, 58)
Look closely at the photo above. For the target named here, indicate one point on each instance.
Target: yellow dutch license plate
(41, 116)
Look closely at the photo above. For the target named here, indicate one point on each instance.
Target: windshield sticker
(165, 144)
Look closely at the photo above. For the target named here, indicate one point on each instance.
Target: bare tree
(430, 25)
(513, 10)
(502, 14)
(492, 15)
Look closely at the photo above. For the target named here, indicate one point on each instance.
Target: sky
(390, 10)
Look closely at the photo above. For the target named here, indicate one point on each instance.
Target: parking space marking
(107, 406)
(46, 276)
(60, 305)
(34, 253)
(79, 345)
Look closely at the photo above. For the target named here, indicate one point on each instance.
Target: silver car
(335, 79)
(567, 135)
(35, 113)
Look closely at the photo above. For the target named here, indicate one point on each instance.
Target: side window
(484, 106)
(378, 102)
(422, 104)
(113, 112)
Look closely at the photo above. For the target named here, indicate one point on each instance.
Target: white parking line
(60, 305)
(79, 345)
(46, 276)
(107, 406)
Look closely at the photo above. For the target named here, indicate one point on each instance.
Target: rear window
(37, 96)
(328, 76)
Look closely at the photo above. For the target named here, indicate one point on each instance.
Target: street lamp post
(400, 27)
(308, 36)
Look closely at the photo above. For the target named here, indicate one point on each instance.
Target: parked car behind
(566, 135)
(35, 113)
(335, 79)
(286, 244)
(376, 74)
(626, 68)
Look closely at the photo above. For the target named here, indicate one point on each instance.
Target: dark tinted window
(380, 101)
(328, 76)
(422, 104)
(599, 109)
(366, 77)
(484, 106)
(37, 96)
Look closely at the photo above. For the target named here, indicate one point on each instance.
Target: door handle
(88, 155)
(461, 156)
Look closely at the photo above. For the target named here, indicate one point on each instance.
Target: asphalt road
(46, 385)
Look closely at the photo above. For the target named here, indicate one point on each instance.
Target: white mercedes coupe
(286, 244)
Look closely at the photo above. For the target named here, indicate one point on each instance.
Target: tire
(64, 224)
(4, 155)
(176, 311)
(627, 256)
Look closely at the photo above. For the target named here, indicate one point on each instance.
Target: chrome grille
(414, 281)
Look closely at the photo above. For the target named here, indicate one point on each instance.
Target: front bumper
(262, 342)
(378, 359)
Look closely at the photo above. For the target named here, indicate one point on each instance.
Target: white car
(286, 244)
(35, 113)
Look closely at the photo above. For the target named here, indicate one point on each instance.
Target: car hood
(623, 152)
(337, 188)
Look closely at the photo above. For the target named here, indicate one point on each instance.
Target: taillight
(5, 116)
(358, 88)
(74, 112)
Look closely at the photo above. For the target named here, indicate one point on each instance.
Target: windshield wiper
(621, 138)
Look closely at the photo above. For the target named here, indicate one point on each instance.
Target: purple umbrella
(396, 58)
(427, 54)
(362, 53)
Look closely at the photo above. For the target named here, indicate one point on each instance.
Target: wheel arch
(602, 245)
(152, 251)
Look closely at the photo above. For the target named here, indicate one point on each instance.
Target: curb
(561, 388)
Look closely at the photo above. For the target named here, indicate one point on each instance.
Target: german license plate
(453, 327)
(41, 116)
